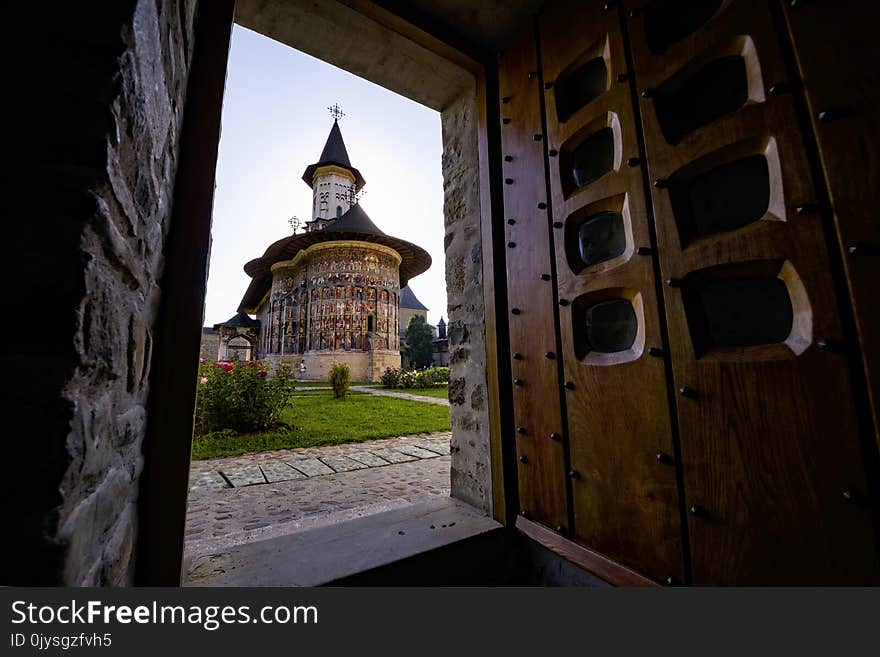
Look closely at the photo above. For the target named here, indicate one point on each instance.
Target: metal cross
(354, 196)
(294, 223)
(336, 111)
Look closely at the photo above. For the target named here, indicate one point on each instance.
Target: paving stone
(210, 479)
(394, 456)
(278, 471)
(342, 463)
(418, 452)
(245, 476)
(368, 459)
(438, 447)
(312, 467)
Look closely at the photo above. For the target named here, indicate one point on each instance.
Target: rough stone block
(394, 456)
(280, 471)
(246, 476)
(418, 452)
(311, 467)
(369, 459)
(342, 463)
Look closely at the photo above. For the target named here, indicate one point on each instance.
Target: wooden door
(685, 398)
(774, 476)
(835, 45)
(541, 465)
(625, 497)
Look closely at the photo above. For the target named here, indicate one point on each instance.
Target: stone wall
(210, 345)
(407, 314)
(471, 466)
(95, 153)
(364, 366)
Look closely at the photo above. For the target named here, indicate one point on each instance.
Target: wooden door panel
(769, 434)
(836, 49)
(542, 471)
(625, 497)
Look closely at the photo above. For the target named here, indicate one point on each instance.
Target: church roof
(442, 322)
(334, 153)
(240, 319)
(408, 299)
(355, 219)
(353, 225)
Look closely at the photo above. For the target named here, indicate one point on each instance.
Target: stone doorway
(237, 501)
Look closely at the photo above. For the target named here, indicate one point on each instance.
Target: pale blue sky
(275, 123)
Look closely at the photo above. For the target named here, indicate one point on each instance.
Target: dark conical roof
(408, 299)
(240, 319)
(355, 220)
(334, 153)
(442, 322)
(334, 150)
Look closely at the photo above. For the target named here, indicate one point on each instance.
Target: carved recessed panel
(725, 198)
(602, 237)
(607, 326)
(719, 88)
(669, 21)
(747, 309)
(579, 87)
(587, 161)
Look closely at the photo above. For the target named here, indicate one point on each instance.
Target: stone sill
(324, 554)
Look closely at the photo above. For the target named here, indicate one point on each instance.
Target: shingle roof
(241, 320)
(355, 219)
(408, 299)
(334, 153)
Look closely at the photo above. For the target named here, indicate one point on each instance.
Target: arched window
(371, 323)
(338, 211)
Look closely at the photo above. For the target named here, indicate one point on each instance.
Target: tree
(419, 342)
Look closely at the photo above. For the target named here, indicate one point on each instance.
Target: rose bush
(427, 378)
(240, 396)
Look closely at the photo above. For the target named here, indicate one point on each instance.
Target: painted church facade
(331, 293)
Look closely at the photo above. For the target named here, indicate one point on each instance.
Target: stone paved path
(262, 495)
(402, 395)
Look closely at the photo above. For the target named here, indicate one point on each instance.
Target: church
(336, 292)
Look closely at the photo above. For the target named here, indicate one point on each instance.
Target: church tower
(333, 180)
(333, 293)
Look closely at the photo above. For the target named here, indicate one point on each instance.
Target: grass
(318, 419)
(441, 392)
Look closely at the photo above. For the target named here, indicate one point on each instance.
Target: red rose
(263, 373)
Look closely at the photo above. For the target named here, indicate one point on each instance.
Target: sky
(275, 123)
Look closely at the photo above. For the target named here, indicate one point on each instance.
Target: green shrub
(340, 378)
(390, 378)
(240, 396)
(427, 378)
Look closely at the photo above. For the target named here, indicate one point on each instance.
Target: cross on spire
(336, 111)
(354, 196)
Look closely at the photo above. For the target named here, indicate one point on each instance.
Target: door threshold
(323, 554)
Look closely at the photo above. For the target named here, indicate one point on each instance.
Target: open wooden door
(683, 394)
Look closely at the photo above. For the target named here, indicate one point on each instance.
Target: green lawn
(318, 419)
(440, 393)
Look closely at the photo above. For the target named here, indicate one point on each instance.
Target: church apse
(338, 296)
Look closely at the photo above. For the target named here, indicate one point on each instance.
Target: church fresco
(324, 303)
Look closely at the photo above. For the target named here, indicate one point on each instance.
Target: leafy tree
(419, 342)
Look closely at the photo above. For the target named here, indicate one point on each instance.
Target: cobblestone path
(245, 498)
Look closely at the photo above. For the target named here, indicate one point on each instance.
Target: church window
(338, 211)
